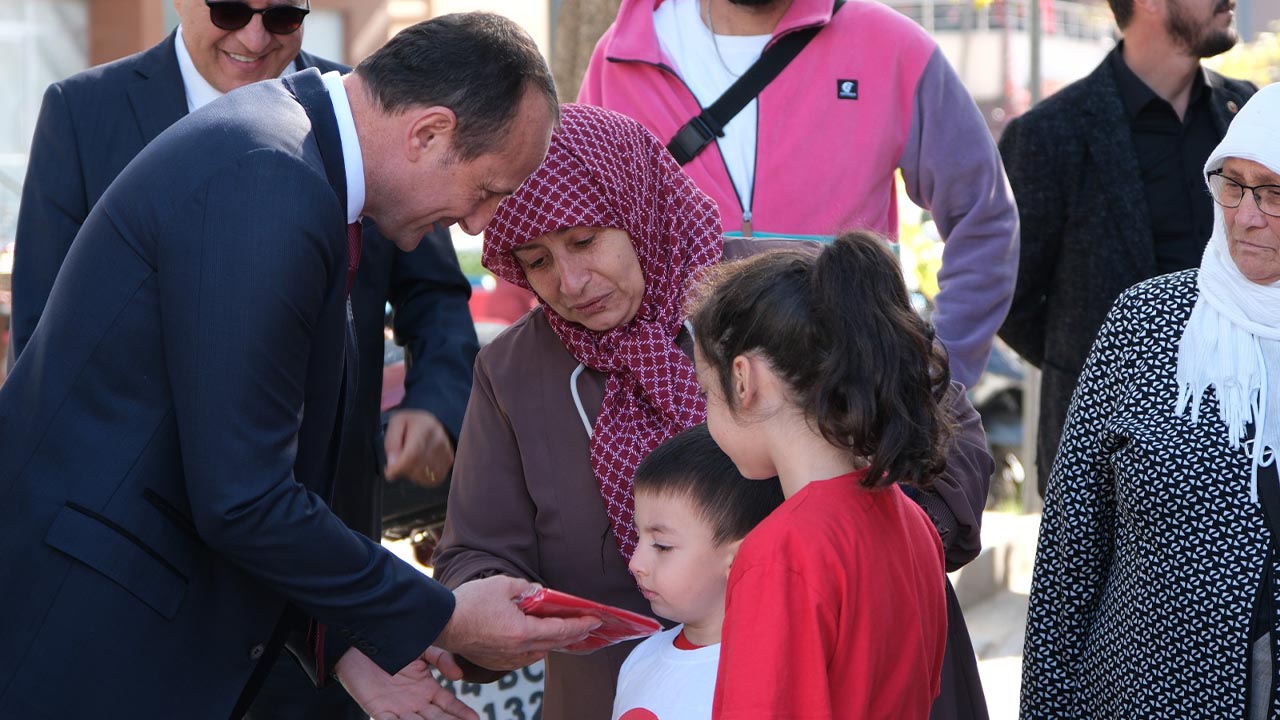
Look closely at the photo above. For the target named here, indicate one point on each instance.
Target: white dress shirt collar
(352, 158)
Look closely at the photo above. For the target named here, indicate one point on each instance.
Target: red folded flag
(617, 624)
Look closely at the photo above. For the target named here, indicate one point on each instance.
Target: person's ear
(731, 552)
(429, 131)
(754, 383)
(743, 380)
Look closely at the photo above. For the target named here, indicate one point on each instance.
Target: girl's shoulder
(839, 514)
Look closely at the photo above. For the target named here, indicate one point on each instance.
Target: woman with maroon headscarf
(610, 235)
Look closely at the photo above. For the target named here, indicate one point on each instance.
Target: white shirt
(709, 65)
(352, 158)
(659, 679)
(199, 91)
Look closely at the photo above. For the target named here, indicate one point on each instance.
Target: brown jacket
(524, 501)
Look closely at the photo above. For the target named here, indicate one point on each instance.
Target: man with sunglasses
(173, 425)
(92, 124)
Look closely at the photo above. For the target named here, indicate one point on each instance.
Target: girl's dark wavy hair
(839, 328)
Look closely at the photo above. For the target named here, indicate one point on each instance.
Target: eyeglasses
(1229, 194)
(277, 19)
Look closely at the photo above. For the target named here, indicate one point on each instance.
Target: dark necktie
(355, 233)
(315, 629)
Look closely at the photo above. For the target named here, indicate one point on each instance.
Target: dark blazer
(1086, 234)
(172, 427)
(93, 123)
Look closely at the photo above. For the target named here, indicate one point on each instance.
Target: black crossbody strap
(709, 124)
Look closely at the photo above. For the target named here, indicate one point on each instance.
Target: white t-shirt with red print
(659, 681)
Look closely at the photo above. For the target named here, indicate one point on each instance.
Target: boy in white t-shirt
(693, 509)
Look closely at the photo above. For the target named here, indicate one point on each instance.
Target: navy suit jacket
(172, 426)
(93, 123)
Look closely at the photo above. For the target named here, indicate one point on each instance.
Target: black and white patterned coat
(1151, 553)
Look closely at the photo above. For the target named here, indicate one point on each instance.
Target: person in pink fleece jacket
(817, 152)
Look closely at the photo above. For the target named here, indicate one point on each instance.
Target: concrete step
(993, 591)
(1008, 553)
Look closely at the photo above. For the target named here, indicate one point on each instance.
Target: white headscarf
(1232, 340)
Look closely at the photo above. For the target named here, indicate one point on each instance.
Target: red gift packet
(618, 624)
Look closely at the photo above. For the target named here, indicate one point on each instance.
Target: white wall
(41, 42)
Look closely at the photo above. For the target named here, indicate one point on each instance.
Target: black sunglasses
(277, 19)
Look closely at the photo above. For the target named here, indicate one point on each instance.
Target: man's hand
(418, 447)
(489, 630)
(411, 694)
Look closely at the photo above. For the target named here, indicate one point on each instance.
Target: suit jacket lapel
(157, 95)
(314, 98)
(307, 60)
(1116, 162)
(310, 90)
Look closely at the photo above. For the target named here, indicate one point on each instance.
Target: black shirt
(1171, 157)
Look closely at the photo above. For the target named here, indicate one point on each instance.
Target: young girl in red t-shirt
(817, 370)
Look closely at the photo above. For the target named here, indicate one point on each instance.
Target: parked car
(410, 510)
(998, 398)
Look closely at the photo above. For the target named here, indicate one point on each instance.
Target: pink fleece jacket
(825, 163)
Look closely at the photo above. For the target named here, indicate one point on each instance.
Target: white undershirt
(199, 91)
(684, 37)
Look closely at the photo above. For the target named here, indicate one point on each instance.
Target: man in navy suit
(92, 124)
(173, 424)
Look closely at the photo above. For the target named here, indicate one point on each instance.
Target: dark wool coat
(1086, 233)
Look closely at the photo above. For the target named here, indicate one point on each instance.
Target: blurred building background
(42, 41)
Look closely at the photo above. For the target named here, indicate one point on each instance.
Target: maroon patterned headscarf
(606, 170)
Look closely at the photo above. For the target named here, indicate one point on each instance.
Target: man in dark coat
(172, 427)
(92, 124)
(1107, 176)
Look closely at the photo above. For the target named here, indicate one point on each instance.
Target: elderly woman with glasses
(1156, 588)
(609, 234)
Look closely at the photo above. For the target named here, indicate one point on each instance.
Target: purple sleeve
(952, 168)
(957, 498)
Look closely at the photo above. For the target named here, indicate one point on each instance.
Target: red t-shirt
(836, 608)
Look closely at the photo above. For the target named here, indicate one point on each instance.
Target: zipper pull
(746, 223)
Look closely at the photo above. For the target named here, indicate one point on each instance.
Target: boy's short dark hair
(692, 465)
